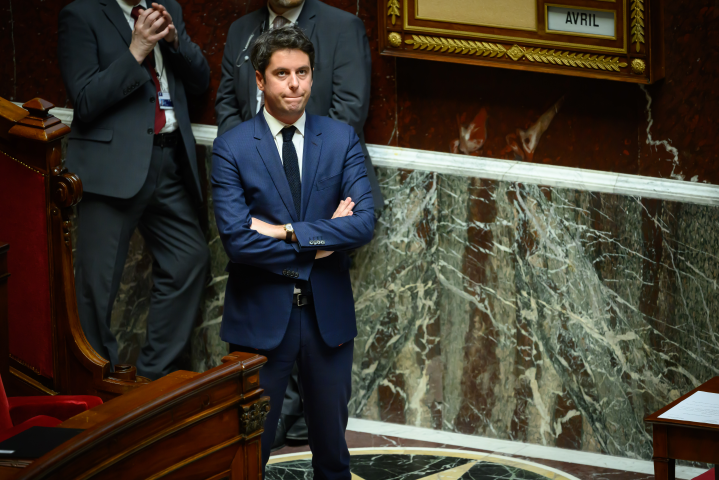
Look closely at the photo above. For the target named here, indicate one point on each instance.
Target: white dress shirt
(298, 139)
(292, 15)
(170, 120)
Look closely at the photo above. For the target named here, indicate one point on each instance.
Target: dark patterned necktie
(149, 64)
(291, 166)
(279, 22)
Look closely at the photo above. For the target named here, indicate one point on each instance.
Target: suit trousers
(325, 375)
(167, 219)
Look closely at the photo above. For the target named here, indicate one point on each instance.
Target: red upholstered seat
(20, 413)
(24, 212)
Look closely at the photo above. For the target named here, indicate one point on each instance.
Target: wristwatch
(289, 231)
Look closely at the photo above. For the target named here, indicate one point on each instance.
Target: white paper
(578, 20)
(701, 407)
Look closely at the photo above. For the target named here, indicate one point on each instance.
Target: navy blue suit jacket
(248, 180)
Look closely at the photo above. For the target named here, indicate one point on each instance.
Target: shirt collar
(276, 126)
(128, 8)
(292, 14)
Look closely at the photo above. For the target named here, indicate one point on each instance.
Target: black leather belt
(301, 300)
(168, 140)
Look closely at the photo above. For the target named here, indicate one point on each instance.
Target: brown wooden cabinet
(608, 39)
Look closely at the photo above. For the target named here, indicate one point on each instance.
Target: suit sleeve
(227, 108)
(351, 76)
(242, 244)
(187, 62)
(93, 91)
(346, 233)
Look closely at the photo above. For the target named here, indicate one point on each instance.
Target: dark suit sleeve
(91, 90)
(227, 109)
(242, 244)
(187, 62)
(351, 76)
(346, 233)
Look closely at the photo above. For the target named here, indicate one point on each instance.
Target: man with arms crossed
(341, 90)
(126, 65)
(291, 196)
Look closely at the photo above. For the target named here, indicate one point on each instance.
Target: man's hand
(344, 209)
(171, 37)
(150, 28)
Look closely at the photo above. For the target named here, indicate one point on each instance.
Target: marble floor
(382, 451)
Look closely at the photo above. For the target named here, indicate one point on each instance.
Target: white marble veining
(512, 171)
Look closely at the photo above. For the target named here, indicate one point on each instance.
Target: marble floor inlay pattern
(418, 464)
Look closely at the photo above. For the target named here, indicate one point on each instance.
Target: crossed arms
(250, 238)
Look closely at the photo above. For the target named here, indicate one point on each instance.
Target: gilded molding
(637, 9)
(252, 418)
(638, 66)
(394, 39)
(579, 60)
(393, 9)
(450, 45)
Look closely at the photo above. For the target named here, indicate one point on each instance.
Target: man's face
(287, 84)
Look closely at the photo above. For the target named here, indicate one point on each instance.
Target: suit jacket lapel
(306, 19)
(117, 17)
(267, 149)
(310, 161)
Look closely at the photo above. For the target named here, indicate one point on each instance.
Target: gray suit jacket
(341, 80)
(113, 96)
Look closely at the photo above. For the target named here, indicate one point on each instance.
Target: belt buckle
(298, 299)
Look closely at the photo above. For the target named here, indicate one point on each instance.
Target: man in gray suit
(127, 66)
(340, 90)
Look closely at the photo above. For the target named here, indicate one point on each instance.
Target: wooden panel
(517, 36)
(185, 425)
(32, 136)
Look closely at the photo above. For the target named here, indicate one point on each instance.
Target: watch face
(289, 228)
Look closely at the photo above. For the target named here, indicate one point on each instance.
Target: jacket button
(149, 131)
(152, 100)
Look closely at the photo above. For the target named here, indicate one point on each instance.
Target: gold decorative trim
(579, 60)
(637, 7)
(451, 45)
(31, 381)
(638, 66)
(394, 39)
(534, 41)
(23, 164)
(393, 9)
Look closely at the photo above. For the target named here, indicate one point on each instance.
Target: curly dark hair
(288, 37)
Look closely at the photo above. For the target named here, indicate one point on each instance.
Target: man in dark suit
(341, 91)
(127, 67)
(342, 73)
(291, 197)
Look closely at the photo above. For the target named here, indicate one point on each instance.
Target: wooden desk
(680, 440)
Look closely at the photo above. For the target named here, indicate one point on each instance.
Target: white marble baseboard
(512, 171)
(507, 447)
